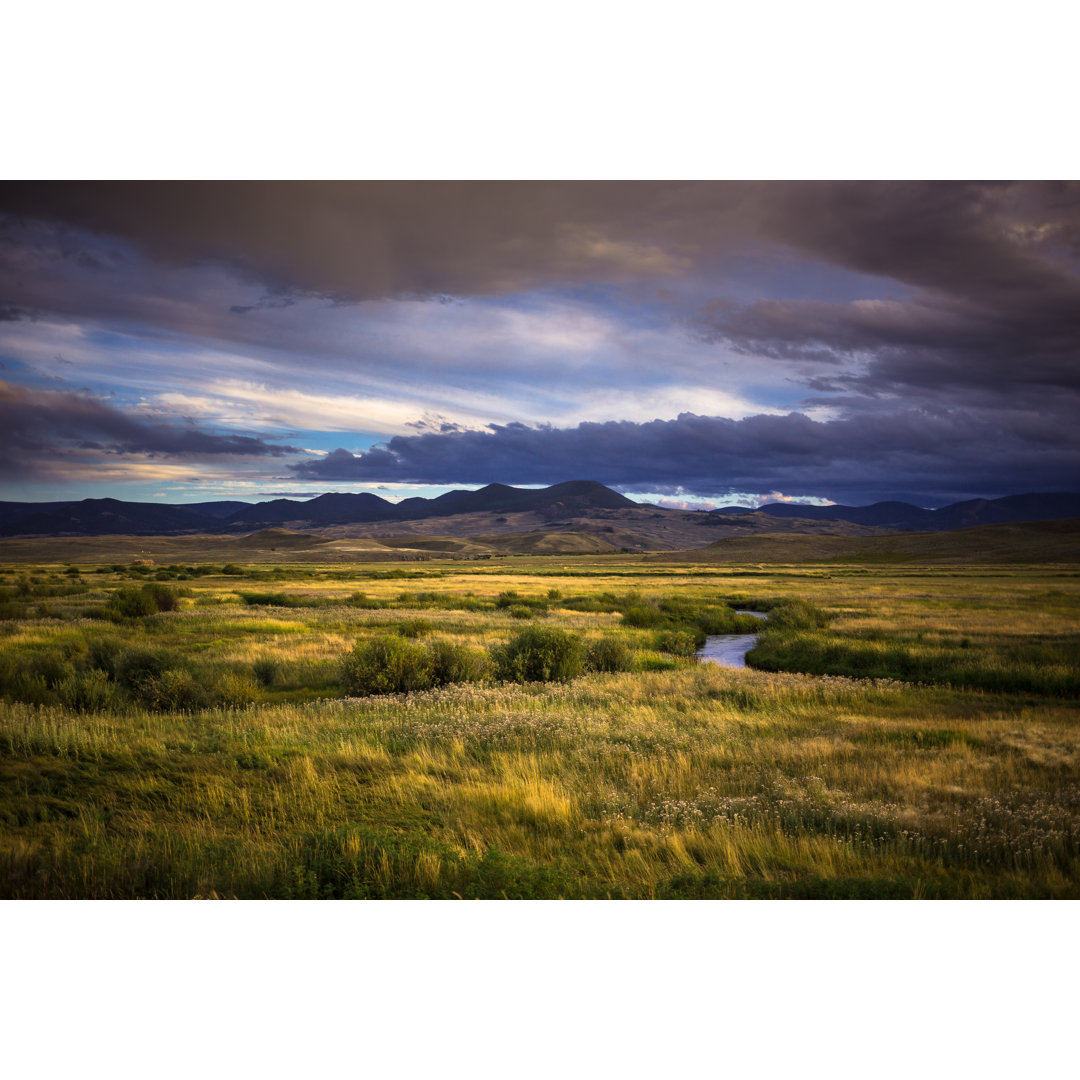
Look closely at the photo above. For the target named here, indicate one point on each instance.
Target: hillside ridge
(574, 505)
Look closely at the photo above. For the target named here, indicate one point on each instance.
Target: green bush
(643, 615)
(608, 654)
(165, 598)
(653, 663)
(134, 603)
(266, 671)
(102, 653)
(414, 628)
(137, 666)
(452, 663)
(515, 602)
(174, 690)
(275, 599)
(87, 691)
(234, 690)
(539, 654)
(362, 600)
(35, 678)
(520, 611)
(10, 610)
(676, 643)
(719, 621)
(387, 664)
(796, 615)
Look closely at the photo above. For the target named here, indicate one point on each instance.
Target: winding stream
(729, 650)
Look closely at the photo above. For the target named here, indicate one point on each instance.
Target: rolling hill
(1025, 542)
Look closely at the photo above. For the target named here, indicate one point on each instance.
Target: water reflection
(729, 650)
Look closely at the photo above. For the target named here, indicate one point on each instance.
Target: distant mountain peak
(571, 499)
(904, 517)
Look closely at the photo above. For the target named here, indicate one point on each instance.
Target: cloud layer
(838, 340)
(36, 426)
(919, 455)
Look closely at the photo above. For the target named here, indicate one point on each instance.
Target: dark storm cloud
(984, 357)
(991, 270)
(1008, 244)
(371, 240)
(994, 314)
(983, 242)
(37, 423)
(939, 454)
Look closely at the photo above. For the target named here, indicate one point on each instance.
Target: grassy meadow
(537, 727)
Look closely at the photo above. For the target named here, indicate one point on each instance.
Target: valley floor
(933, 752)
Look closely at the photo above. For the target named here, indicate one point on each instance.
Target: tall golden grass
(695, 781)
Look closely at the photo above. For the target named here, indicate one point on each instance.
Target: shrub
(136, 666)
(270, 599)
(520, 611)
(588, 604)
(87, 691)
(654, 663)
(234, 690)
(362, 600)
(266, 671)
(10, 610)
(414, 628)
(452, 663)
(232, 569)
(34, 678)
(387, 664)
(174, 690)
(102, 653)
(133, 603)
(48, 666)
(608, 654)
(539, 654)
(796, 615)
(676, 643)
(515, 601)
(643, 615)
(718, 621)
(165, 598)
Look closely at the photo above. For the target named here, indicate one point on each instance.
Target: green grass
(933, 752)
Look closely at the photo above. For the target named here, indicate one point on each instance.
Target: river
(729, 650)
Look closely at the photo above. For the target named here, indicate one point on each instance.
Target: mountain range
(104, 517)
(903, 517)
(576, 505)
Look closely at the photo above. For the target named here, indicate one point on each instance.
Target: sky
(699, 343)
